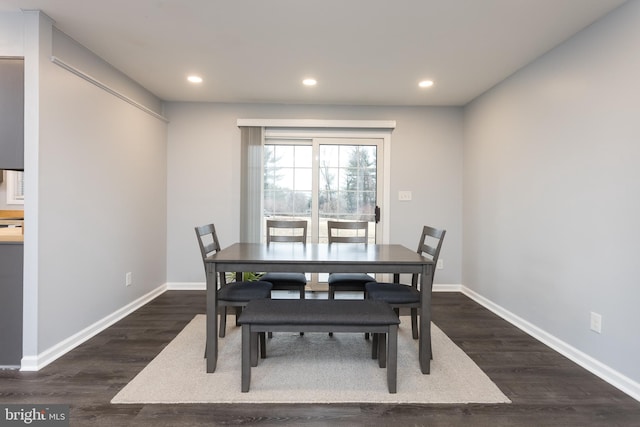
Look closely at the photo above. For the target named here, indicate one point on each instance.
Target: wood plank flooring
(546, 388)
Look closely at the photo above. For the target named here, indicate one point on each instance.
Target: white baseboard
(35, 363)
(613, 377)
(186, 286)
(446, 288)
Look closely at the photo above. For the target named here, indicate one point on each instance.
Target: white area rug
(313, 368)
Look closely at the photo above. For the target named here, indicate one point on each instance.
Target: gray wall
(95, 177)
(204, 180)
(73, 53)
(551, 185)
(102, 204)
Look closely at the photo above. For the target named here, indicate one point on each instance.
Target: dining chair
(292, 231)
(235, 294)
(401, 296)
(347, 232)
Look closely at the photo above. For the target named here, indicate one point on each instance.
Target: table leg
(212, 318)
(425, 319)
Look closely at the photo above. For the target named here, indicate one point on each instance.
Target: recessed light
(195, 79)
(426, 83)
(309, 82)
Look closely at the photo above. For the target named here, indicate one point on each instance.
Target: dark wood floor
(546, 388)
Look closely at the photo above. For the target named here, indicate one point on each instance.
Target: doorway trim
(318, 123)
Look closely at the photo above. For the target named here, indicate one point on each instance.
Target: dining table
(318, 258)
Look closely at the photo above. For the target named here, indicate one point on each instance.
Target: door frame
(340, 130)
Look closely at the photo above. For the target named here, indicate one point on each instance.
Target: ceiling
(362, 52)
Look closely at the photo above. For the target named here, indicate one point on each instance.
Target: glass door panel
(288, 182)
(347, 186)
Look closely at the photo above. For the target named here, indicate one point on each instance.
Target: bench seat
(299, 315)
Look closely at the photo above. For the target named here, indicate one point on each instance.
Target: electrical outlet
(440, 264)
(404, 196)
(596, 322)
(127, 279)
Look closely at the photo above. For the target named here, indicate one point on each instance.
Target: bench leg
(263, 346)
(374, 346)
(392, 359)
(254, 348)
(238, 312)
(246, 358)
(382, 352)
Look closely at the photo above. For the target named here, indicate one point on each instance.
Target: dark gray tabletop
(319, 258)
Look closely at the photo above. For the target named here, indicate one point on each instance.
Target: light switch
(404, 195)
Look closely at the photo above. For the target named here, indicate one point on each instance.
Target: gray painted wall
(78, 56)
(96, 193)
(551, 185)
(204, 180)
(102, 204)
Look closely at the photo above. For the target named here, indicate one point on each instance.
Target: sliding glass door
(347, 178)
(321, 179)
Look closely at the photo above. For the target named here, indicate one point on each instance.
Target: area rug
(314, 368)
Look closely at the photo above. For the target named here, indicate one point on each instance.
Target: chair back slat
(286, 231)
(207, 240)
(426, 248)
(358, 231)
(209, 244)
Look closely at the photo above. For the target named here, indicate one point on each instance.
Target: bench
(368, 316)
